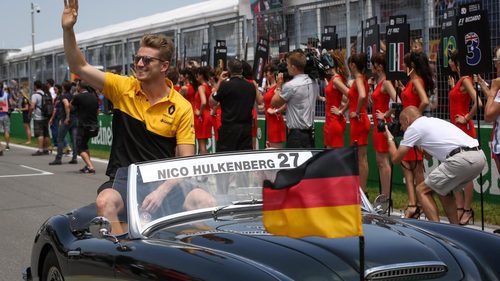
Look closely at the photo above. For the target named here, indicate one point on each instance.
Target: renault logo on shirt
(171, 109)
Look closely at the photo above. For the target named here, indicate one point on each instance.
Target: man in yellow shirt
(150, 119)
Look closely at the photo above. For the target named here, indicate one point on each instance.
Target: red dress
(190, 94)
(275, 123)
(254, 116)
(334, 124)
(360, 127)
(408, 98)
(203, 123)
(459, 104)
(380, 102)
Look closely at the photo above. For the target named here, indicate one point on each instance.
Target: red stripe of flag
(312, 193)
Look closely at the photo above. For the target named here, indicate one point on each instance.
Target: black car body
(228, 241)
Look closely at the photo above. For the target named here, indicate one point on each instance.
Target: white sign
(222, 164)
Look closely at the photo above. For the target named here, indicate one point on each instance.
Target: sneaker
(45, 152)
(1, 152)
(37, 153)
(7, 148)
(73, 161)
(56, 162)
(87, 170)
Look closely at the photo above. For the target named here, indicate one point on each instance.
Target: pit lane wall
(490, 176)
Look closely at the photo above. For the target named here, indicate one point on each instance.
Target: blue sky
(15, 20)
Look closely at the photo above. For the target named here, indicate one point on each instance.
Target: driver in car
(151, 120)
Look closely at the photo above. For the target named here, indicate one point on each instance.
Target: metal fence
(304, 23)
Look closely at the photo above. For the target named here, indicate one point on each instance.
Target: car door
(91, 259)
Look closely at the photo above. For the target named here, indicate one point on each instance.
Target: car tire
(51, 270)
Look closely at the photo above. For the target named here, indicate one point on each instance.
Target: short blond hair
(297, 59)
(161, 43)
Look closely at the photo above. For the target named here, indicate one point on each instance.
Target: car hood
(387, 242)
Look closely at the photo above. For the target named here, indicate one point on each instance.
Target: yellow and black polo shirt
(141, 131)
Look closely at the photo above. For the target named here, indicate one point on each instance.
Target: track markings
(40, 173)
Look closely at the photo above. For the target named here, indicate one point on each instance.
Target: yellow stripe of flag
(329, 222)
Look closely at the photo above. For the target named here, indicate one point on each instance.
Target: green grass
(400, 201)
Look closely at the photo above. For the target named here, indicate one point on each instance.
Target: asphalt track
(32, 191)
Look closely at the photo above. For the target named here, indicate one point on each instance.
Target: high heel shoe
(412, 215)
(464, 220)
(460, 213)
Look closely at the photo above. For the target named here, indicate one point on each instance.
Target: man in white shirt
(460, 155)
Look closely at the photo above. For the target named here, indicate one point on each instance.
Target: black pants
(234, 137)
(298, 138)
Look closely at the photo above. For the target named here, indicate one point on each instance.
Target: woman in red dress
(383, 93)
(186, 77)
(461, 115)
(335, 122)
(276, 128)
(203, 119)
(215, 112)
(415, 94)
(358, 116)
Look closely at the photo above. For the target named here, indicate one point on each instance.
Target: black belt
(302, 130)
(463, 148)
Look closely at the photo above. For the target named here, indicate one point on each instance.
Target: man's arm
(397, 153)
(67, 109)
(492, 108)
(77, 63)
(277, 101)
(185, 150)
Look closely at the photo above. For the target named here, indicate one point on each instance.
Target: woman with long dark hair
(276, 128)
(358, 115)
(202, 118)
(335, 122)
(415, 94)
(461, 115)
(383, 93)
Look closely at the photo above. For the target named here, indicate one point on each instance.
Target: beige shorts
(456, 171)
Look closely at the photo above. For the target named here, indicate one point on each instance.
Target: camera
(282, 68)
(317, 66)
(394, 126)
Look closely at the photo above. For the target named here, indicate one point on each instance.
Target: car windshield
(166, 190)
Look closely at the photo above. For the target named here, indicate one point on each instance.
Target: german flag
(319, 198)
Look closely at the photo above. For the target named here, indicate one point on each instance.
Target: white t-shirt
(436, 136)
(496, 134)
(52, 93)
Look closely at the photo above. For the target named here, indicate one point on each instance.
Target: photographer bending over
(460, 155)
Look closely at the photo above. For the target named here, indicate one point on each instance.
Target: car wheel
(51, 270)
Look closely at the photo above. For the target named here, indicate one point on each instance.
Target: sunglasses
(146, 60)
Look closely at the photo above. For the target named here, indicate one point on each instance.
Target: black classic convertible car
(210, 227)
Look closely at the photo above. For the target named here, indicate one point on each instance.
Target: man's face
(148, 65)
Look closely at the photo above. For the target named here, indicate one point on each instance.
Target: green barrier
(490, 174)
